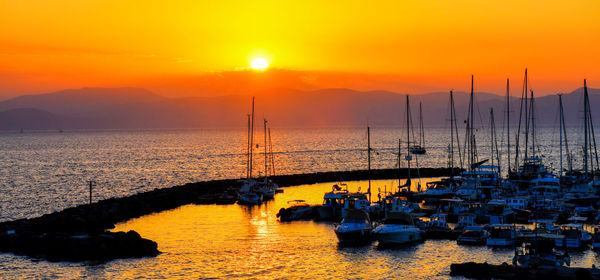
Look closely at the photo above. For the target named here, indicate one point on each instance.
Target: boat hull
(363, 236)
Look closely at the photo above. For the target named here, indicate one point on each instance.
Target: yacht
(356, 228)
(333, 202)
(398, 228)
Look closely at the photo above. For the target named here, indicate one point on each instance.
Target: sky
(181, 48)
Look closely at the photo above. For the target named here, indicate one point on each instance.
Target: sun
(259, 63)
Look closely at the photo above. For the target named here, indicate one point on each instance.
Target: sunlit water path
(233, 241)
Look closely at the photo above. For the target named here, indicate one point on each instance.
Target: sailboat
(267, 188)
(247, 193)
(583, 189)
(419, 149)
(532, 169)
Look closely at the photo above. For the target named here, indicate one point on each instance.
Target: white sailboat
(247, 193)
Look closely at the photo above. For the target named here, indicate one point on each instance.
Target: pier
(80, 233)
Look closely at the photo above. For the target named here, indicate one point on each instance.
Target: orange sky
(405, 46)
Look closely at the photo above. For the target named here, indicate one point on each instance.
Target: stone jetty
(80, 233)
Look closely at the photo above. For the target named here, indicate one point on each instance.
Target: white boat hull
(396, 235)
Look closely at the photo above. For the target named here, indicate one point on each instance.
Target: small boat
(356, 228)
(357, 200)
(574, 237)
(501, 235)
(299, 210)
(539, 253)
(398, 228)
(438, 228)
(473, 235)
(333, 201)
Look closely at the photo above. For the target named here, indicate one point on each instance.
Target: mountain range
(137, 108)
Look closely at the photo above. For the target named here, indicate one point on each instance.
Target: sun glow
(259, 63)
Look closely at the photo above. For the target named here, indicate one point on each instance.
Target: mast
(508, 123)
(421, 128)
(532, 112)
(451, 134)
(585, 127)
(494, 141)
(526, 115)
(399, 160)
(248, 151)
(369, 158)
(564, 136)
(471, 134)
(265, 149)
(560, 125)
(251, 137)
(271, 152)
(408, 157)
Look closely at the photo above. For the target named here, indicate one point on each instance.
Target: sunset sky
(205, 47)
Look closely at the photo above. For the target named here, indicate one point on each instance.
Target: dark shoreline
(85, 226)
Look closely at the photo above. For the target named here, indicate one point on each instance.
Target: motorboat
(437, 227)
(357, 200)
(356, 228)
(501, 235)
(333, 202)
(473, 235)
(298, 210)
(398, 228)
(539, 253)
(574, 237)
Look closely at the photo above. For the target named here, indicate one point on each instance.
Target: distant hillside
(100, 108)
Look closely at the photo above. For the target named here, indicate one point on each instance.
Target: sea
(46, 171)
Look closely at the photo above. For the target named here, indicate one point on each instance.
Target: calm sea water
(234, 241)
(48, 171)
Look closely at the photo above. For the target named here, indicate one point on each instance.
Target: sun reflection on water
(214, 241)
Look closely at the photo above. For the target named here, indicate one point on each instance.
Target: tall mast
(421, 128)
(271, 152)
(532, 112)
(251, 136)
(451, 134)
(248, 151)
(585, 127)
(564, 135)
(399, 160)
(369, 157)
(408, 157)
(526, 115)
(508, 123)
(560, 125)
(471, 134)
(494, 141)
(266, 161)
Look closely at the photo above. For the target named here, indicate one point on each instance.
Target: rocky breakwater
(80, 233)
